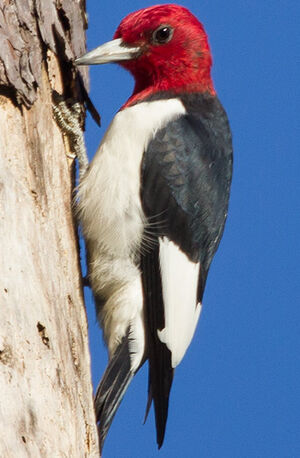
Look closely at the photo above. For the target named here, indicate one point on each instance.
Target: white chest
(110, 206)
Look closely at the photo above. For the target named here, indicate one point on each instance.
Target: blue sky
(236, 394)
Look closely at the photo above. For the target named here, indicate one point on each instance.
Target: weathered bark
(46, 407)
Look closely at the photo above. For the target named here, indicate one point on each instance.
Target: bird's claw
(68, 115)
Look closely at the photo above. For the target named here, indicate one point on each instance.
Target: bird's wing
(185, 186)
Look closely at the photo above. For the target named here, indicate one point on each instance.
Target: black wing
(186, 176)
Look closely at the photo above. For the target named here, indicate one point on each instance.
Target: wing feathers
(160, 367)
(179, 285)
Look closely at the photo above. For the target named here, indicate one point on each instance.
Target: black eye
(162, 35)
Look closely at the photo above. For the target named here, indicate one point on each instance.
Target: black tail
(160, 382)
(112, 387)
(160, 367)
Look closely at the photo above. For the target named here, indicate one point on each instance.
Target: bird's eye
(162, 35)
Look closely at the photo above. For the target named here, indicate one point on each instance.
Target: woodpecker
(153, 203)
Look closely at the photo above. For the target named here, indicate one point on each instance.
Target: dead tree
(46, 407)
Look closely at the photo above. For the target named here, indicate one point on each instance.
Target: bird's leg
(68, 116)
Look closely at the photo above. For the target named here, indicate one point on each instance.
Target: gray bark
(46, 406)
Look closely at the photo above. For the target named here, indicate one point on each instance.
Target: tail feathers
(161, 381)
(112, 387)
(159, 392)
(149, 400)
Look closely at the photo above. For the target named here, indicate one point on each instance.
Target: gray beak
(112, 51)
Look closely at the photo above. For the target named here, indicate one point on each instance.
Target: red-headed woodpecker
(153, 202)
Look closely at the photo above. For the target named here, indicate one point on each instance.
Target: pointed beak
(112, 51)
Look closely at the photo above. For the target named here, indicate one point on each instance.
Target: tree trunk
(46, 406)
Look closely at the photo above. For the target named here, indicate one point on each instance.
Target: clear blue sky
(236, 393)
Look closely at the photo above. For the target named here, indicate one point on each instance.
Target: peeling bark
(28, 28)
(46, 406)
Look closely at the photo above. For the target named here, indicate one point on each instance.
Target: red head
(165, 47)
(174, 54)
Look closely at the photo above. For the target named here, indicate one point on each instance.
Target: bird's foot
(68, 115)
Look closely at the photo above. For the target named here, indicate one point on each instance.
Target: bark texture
(46, 406)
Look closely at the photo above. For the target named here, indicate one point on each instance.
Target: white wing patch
(179, 285)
